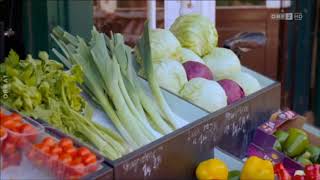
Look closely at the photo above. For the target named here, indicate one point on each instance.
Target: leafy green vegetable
(42, 89)
(195, 32)
(164, 45)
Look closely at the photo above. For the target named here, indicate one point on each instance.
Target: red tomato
(43, 148)
(8, 148)
(16, 117)
(66, 142)
(83, 151)
(65, 158)
(48, 141)
(4, 119)
(70, 150)
(32, 154)
(13, 139)
(56, 150)
(76, 160)
(53, 162)
(27, 129)
(14, 125)
(89, 159)
(77, 170)
(2, 132)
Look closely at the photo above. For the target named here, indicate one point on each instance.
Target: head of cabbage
(163, 45)
(223, 63)
(170, 75)
(205, 93)
(188, 55)
(195, 32)
(247, 82)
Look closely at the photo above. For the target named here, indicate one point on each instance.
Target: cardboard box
(263, 141)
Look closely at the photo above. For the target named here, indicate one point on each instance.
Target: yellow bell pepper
(257, 169)
(212, 169)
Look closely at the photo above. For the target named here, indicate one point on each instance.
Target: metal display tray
(175, 155)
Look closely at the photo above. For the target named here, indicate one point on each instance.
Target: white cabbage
(163, 45)
(170, 75)
(195, 32)
(223, 63)
(205, 93)
(248, 83)
(188, 55)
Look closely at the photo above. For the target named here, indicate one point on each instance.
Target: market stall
(175, 106)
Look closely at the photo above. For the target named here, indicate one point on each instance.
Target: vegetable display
(112, 83)
(295, 144)
(41, 88)
(200, 58)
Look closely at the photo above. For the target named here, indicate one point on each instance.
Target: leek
(144, 49)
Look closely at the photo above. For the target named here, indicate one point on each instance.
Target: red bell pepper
(312, 172)
(299, 177)
(281, 172)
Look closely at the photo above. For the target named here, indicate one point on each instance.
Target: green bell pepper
(304, 161)
(281, 136)
(314, 151)
(296, 142)
(277, 146)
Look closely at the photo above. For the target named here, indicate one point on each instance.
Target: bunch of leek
(111, 82)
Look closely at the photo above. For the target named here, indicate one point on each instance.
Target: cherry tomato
(32, 154)
(83, 151)
(53, 162)
(8, 148)
(76, 168)
(43, 148)
(65, 158)
(11, 124)
(70, 150)
(55, 150)
(27, 128)
(16, 117)
(89, 159)
(12, 138)
(66, 142)
(2, 132)
(76, 160)
(4, 119)
(48, 141)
